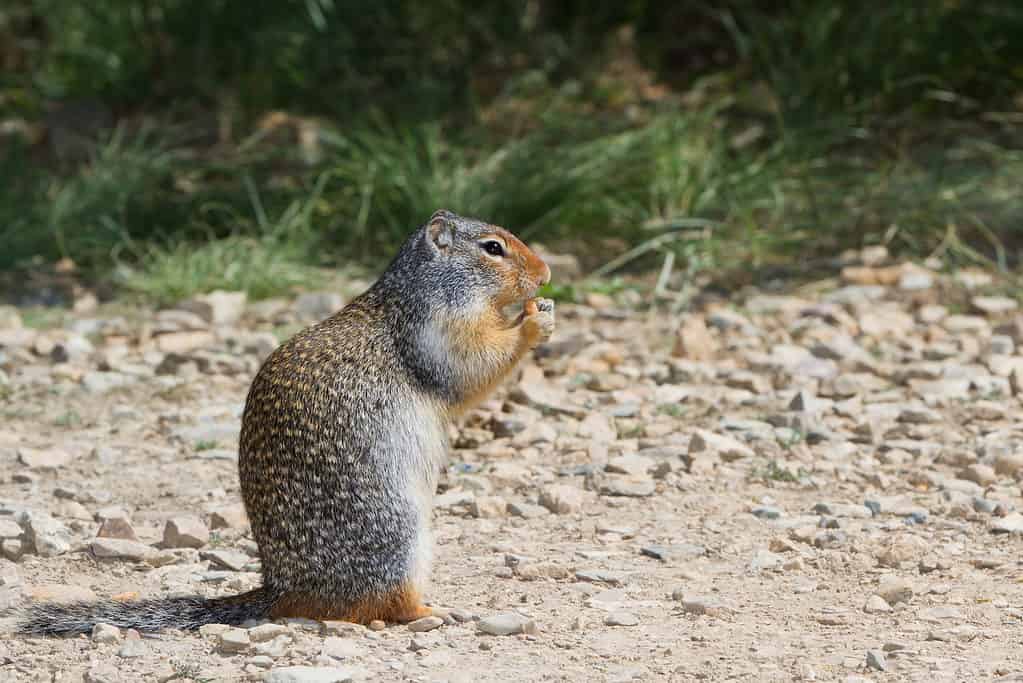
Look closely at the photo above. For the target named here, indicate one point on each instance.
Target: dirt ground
(806, 484)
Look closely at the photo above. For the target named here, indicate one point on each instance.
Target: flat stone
(1010, 524)
(876, 660)
(725, 447)
(267, 632)
(507, 624)
(994, 305)
(843, 510)
(105, 382)
(628, 488)
(562, 499)
(676, 552)
(621, 619)
(133, 649)
(232, 560)
(39, 458)
(425, 624)
(234, 640)
(343, 648)
(120, 549)
(314, 674)
(527, 510)
(599, 576)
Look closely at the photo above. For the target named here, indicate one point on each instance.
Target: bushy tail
(187, 613)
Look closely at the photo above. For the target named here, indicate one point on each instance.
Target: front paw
(538, 321)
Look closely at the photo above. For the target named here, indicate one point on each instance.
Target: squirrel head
(476, 262)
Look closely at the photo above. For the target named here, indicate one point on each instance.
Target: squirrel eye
(493, 248)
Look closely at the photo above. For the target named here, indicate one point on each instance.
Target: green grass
(785, 135)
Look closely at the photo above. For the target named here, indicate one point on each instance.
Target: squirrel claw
(538, 320)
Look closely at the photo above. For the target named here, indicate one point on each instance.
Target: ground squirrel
(345, 431)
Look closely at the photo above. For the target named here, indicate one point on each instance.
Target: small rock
(47, 536)
(599, 576)
(234, 640)
(562, 499)
(425, 624)
(217, 307)
(621, 619)
(527, 510)
(105, 634)
(704, 606)
(876, 605)
(694, 341)
(342, 648)
(185, 531)
(980, 474)
(725, 447)
(895, 589)
(679, 551)
(117, 528)
(766, 512)
(507, 624)
(120, 549)
(1010, 524)
(50, 458)
(229, 517)
(628, 488)
(318, 305)
(104, 382)
(994, 305)
(876, 660)
(133, 649)
(598, 427)
(314, 674)
(488, 507)
(267, 632)
(232, 560)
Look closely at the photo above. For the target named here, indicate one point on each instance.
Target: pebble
(265, 632)
(894, 589)
(527, 510)
(876, 660)
(120, 549)
(1010, 524)
(507, 624)
(876, 605)
(562, 499)
(233, 641)
(133, 649)
(43, 458)
(105, 634)
(628, 488)
(45, 536)
(185, 531)
(342, 648)
(314, 674)
(621, 619)
(425, 624)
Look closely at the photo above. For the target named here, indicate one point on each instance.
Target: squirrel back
(344, 434)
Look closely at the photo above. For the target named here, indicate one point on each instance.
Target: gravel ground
(814, 483)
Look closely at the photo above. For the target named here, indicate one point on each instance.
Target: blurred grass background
(169, 147)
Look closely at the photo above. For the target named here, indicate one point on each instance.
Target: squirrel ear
(440, 233)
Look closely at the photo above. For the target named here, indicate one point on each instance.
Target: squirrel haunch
(345, 431)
